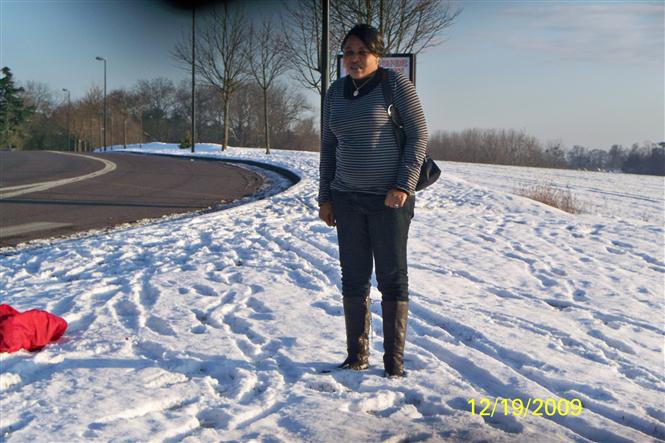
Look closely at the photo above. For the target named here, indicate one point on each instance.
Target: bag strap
(385, 86)
(391, 109)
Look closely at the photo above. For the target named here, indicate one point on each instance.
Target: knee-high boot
(395, 314)
(357, 318)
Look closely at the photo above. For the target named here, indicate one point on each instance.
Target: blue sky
(589, 73)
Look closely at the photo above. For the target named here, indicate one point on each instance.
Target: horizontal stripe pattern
(359, 152)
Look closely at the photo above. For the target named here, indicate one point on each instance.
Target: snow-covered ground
(216, 327)
(601, 193)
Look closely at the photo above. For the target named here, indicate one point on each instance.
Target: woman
(367, 189)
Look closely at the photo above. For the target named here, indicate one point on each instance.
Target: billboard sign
(404, 63)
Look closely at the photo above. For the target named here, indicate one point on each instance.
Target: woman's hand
(395, 198)
(327, 214)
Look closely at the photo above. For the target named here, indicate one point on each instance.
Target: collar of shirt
(349, 88)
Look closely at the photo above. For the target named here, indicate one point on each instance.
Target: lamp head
(100, 58)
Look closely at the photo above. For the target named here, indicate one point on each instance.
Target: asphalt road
(112, 189)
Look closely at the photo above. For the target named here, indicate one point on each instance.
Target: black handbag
(429, 171)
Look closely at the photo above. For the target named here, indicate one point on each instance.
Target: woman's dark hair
(369, 35)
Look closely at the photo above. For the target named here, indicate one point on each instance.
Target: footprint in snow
(213, 277)
(559, 304)
(545, 280)
(334, 310)
(622, 244)
(206, 319)
(558, 271)
(579, 295)
(154, 378)
(305, 280)
(198, 329)
(237, 383)
(64, 306)
(149, 294)
(151, 350)
(327, 385)
(487, 238)
(376, 402)
(204, 290)
(214, 418)
(256, 288)
(320, 229)
(160, 326)
(128, 313)
(611, 342)
(503, 293)
(258, 306)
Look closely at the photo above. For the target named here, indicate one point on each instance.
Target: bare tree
(407, 26)
(301, 31)
(40, 97)
(121, 104)
(287, 107)
(90, 106)
(244, 125)
(156, 102)
(45, 129)
(210, 109)
(220, 54)
(616, 157)
(267, 61)
(554, 154)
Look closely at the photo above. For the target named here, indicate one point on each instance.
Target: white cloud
(619, 32)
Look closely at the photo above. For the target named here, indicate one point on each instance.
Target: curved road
(111, 189)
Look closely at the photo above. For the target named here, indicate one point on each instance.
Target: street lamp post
(104, 125)
(193, 74)
(323, 59)
(69, 106)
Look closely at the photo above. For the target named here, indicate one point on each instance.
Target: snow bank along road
(102, 191)
(216, 326)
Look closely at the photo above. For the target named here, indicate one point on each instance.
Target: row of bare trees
(495, 146)
(517, 148)
(158, 110)
(641, 158)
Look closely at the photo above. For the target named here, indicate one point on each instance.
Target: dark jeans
(367, 229)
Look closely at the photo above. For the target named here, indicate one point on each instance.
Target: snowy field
(216, 327)
(607, 194)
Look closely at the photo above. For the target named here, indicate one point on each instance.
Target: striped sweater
(359, 152)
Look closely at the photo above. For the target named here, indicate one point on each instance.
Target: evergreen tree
(13, 112)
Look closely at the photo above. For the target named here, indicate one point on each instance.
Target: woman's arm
(415, 128)
(328, 148)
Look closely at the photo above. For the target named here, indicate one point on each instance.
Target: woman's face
(358, 61)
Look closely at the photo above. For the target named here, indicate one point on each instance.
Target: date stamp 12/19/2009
(518, 407)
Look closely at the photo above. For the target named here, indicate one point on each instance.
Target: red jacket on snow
(31, 330)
